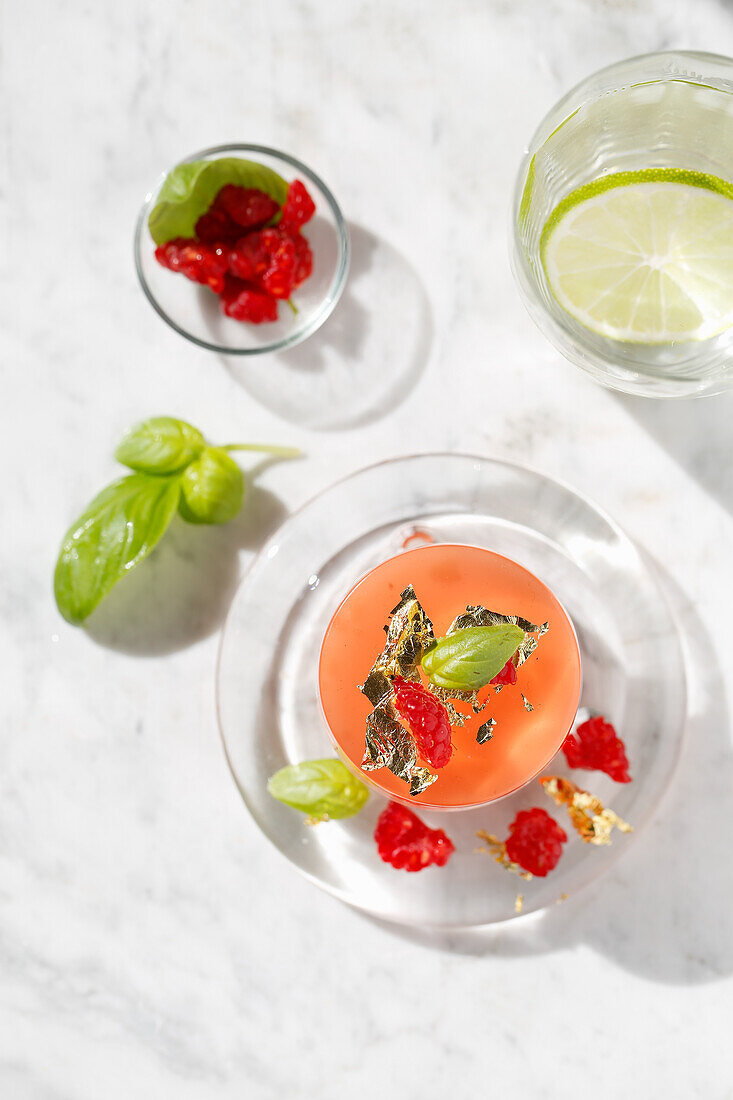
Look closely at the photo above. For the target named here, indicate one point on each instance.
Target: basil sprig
(320, 788)
(468, 659)
(175, 470)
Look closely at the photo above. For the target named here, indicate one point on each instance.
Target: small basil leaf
(468, 659)
(212, 488)
(119, 528)
(189, 190)
(319, 788)
(161, 445)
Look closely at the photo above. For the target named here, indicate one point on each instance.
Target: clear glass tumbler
(663, 110)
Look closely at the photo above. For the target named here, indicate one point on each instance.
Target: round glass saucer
(267, 682)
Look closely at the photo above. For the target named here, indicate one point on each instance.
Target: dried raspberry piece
(298, 207)
(216, 227)
(596, 745)
(266, 257)
(535, 841)
(246, 206)
(245, 302)
(303, 259)
(508, 675)
(407, 843)
(427, 718)
(200, 262)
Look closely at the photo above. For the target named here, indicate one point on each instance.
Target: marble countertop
(151, 943)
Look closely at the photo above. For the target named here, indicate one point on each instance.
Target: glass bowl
(267, 678)
(193, 310)
(662, 110)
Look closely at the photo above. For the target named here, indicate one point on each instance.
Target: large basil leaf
(189, 190)
(212, 488)
(160, 445)
(119, 528)
(319, 788)
(468, 659)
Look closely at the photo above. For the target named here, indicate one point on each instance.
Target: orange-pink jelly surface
(446, 578)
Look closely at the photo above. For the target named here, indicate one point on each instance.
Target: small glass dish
(268, 697)
(194, 311)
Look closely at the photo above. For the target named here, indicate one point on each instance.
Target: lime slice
(645, 257)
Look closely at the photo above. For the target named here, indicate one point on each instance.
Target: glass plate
(269, 709)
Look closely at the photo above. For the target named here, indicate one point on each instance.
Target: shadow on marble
(664, 911)
(696, 433)
(182, 592)
(367, 357)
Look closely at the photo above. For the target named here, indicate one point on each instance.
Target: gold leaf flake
(591, 820)
(486, 731)
(497, 849)
(519, 903)
(387, 743)
(409, 634)
(527, 705)
(420, 780)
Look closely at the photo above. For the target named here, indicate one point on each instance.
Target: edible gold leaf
(591, 820)
(497, 849)
(486, 731)
(420, 780)
(527, 705)
(519, 903)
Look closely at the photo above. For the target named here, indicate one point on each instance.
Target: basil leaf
(212, 488)
(468, 659)
(319, 788)
(119, 528)
(189, 190)
(160, 445)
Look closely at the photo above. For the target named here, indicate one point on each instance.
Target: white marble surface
(151, 943)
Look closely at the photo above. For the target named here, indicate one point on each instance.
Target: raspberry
(595, 745)
(535, 841)
(199, 262)
(508, 675)
(303, 259)
(407, 843)
(245, 302)
(427, 719)
(246, 206)
(216, 227)
(298, 207)
(266, 257)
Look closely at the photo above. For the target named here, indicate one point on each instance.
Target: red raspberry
(245, 302)
(535, 841)
(508, 674)
(246, 206)
(427, 719)
(303, 259)
(407, 843)
(216, 227)
(266, 257)
(199, 262)
(595, 745)
(298, 207)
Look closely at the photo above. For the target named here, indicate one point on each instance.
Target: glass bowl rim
(334, 291)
